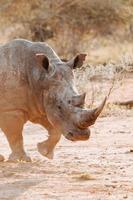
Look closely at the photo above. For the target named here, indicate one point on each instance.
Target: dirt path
(99, 169)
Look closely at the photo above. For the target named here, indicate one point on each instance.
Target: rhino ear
(42, 60)
(77, 61)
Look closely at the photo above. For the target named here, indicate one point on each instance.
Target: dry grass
(99, 81)
(67, 25)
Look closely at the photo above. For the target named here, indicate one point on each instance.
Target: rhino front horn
(90, 116)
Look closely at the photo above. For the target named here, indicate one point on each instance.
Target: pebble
(1, 158)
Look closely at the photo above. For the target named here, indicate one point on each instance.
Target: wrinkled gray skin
(36, 85)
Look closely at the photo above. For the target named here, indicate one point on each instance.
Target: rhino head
(63, 105)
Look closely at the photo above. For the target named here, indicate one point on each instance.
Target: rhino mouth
(78, 135)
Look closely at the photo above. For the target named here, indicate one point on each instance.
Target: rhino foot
(1, 158)
(44, 151)
(15, 157)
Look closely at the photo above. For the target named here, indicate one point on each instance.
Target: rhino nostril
(70, 134)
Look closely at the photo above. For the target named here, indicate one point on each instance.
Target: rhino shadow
(17, 188)
(15, 179)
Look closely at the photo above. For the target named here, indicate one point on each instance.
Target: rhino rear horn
(42, 61)
(79, 100)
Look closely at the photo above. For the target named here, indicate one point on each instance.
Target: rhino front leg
(46, 148)
(12, 125)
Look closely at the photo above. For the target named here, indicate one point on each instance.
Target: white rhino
(36, 85)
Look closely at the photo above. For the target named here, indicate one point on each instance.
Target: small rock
(1, 158)
(85, 177)
(125, 197)
(130, 151)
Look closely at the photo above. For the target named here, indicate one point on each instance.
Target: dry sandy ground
(99, 169)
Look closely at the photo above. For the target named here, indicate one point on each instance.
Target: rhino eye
(69, 101)
(59, 107)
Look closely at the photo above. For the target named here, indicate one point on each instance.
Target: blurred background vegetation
(101, 28)
(71, 26)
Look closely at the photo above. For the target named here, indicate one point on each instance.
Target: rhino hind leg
(12, 125)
